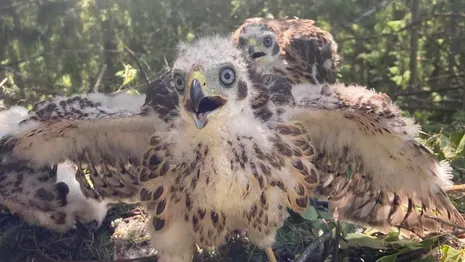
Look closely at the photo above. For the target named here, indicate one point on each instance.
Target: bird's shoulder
(85, 107)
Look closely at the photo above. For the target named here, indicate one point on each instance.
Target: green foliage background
(411, 49)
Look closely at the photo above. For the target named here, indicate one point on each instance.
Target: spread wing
(311, 50)
(369, 166)
(103, 135)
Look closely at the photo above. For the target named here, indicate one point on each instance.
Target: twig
(310, 249)
(326, 249)
(373, 10)
(458, 233)
(423, 92)
(11, 6)
(48, 258)
(3, 82)
(443, 109)
(99, 79)
(251, 254)
(445, 222)
(142, 259)
(456, 188)
(448, 14)
(138, 65)
(336, 242)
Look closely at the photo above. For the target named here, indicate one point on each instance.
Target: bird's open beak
(255, 49)
(201, 101)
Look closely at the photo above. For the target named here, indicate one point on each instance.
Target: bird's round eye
(179, 83)
(267, 41)
(227, 76)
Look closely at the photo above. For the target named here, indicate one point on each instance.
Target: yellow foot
(270, 255)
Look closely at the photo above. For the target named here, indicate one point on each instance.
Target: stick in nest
(314, 245)
(456, 189)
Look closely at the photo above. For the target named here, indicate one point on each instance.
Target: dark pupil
(179, 82)
(267, 41)
(227, 75)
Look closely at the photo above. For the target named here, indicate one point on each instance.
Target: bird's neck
(216, 132)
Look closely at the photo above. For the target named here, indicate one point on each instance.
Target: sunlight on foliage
(128, 74)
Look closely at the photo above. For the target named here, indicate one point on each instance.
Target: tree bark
(453, 45)
(415, 12)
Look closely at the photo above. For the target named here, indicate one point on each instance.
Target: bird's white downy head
(211, 79)
(261, 44)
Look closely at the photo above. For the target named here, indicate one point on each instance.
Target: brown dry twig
(456, 189)
(142, 259)
(99, 79)
(3, 82)
(445, 222)
(138, 65)
(45, 256)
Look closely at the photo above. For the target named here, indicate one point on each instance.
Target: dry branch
(445, 222)
(142, 259)
(314, 245)
(3, 82)
(99, 79)
(138, 65)
(456, 189)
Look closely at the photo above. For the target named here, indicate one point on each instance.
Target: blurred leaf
(426, 259)
(396, 24)
(391, 236)
(450, 254)
(390, 258)
(310, 214)
(347, 228)
(361, 240)
(460, 151)
(446, 146)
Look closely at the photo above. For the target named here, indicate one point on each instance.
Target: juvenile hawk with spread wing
(233, 158)
(48, 189)
(236, 160)
(294, 48)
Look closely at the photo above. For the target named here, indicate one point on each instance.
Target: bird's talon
(270, 255)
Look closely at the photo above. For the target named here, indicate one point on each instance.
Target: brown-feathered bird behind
(294, 48)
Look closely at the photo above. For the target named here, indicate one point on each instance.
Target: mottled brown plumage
(294, 48)
(241, 148)
(240, 171)
(67, 128)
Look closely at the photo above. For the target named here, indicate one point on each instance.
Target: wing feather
(372, 170)
(313, 49)
(103, 135)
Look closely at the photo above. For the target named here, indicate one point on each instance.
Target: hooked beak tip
(196, 93)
